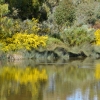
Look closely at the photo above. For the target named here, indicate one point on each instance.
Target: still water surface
(73, 80)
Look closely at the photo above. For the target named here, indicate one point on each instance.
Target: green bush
(7, 25)
(3, 10)
(2, 1)
(5, 22)
(77, 35)
(10, 26)
(87, 13)
(26, 8)
(65, 13)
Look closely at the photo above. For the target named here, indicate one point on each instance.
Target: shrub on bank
(10, 26)
(87, 13)
(23, 41)
(97, 36)
(26, 8)
(65, 13)
(16, 34)
(77, 35)
(5, 23)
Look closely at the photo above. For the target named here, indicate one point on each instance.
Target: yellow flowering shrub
(24, 41)
(97, 72)
(97, 35)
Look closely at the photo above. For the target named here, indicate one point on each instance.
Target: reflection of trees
(63, 81)
(74, 78)
(70, 78)
(20, 82)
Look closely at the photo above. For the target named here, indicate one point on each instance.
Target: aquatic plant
(97, 36)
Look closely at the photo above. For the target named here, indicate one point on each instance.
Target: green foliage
(65, 13)
(77, 36)
(6, 25)
(3, 9)
(9, 26)
(53, 43)
(29, 26)
(2, 1)
(10, 29)
(26, 8)
(77, 2)
(5, 22)
(87, 13)
(52, 40)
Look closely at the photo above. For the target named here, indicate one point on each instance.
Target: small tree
(26, 8)
(88, 13)
(65, 13)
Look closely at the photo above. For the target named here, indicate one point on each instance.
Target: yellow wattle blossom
(97, 35)
(24, 40)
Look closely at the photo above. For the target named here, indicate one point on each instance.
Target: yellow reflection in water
(97, 72)
(11, 78)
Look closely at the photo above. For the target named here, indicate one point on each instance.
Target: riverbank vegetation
(54, 28)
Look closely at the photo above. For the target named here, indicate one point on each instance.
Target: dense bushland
(65, 13)
(16, 34)
(27, 8)
(88, 13)
(77, 35)
(68, 23)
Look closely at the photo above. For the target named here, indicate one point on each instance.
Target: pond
(77, 79)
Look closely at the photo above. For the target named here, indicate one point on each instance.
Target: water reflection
(97, 71)
(22, 83)
(74, 83)
(75, 80)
